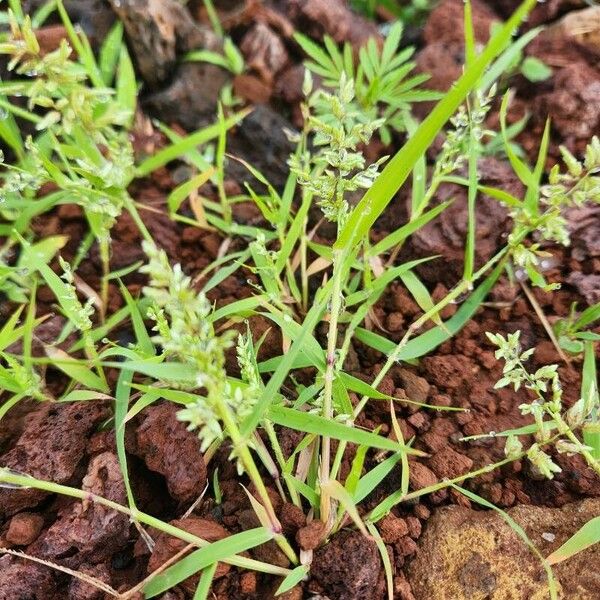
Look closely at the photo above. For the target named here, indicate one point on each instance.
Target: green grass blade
(282, 370)
(355, 470)
(311, 423)
(17, 9)
(81, 46)
(385, 558)
(241, 308)
(141, 334)
(205, 582)
(213, 17)
(292, 236)
(311, 348)
(470, 52)
(589, 388)
(420, 294)
(426, 342)
(204, 557)
(519, 167)
(589, 315)
(335, 490)
(399, 167)
(183, 146)
(182, 191)
(10, 132)
(109, 53)
(84, 396)
(367, 297)
(519, 531)
(589, 378)
(9, 329)
(368, 482)
(507, 58)
(126, 85)
(123, 390)
(295, 577)
(224, 272)
(9, 403)
(77, 370)
(587, 536)
(42, 13)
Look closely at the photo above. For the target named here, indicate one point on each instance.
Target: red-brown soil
(70, 443)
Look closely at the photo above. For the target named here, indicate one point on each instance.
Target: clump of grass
(383, 88)
(186, 335)
(183, 359)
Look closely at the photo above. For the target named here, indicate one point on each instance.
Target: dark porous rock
(584, 229)
(81, 590)
(587, 285)
(447, 372)
(264, 51)
(421, 476)
(331, 17)
(190, 99)
(260, 140)
(416, 388)
(159, 30)
(447, 463)
(572, 104)
(87, 532)
(348, 567)
(577, 475)
(310, 536)
(95, 17)
(22, 579)
(51, 448)
(168, 448)
(446, 22)
(24, 528)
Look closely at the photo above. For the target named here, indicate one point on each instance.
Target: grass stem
(9, 478)
(332, 336)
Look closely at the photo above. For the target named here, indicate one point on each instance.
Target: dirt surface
(73, 444)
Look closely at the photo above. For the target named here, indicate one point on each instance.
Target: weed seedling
(551, 421)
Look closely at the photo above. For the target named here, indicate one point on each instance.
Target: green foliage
(300, 282)
(337, 168)
(579, 183)
(571, 331)
(401, 165)
(383, 87)
(552, 423)
(587, 536)
(83, 149)
(231, 59)
(515, 62)
(534, 69)
(467, 127)
(185, 333)
(541, 211)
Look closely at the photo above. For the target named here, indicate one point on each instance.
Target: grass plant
(79, 109)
